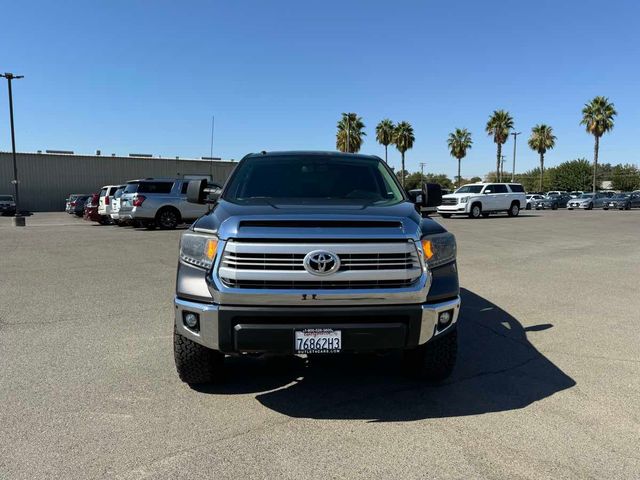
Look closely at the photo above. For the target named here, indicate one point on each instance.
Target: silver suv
(158, 202)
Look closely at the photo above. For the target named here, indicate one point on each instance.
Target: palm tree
(403, 138)
(384, 135)
(597, 116)
(541, 140)
(350, 131)
(499, 125)
(459, 142)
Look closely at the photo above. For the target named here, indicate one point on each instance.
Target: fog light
(191, 320)
(444, 318)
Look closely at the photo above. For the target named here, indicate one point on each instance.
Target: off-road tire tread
(435, 360)
(195, 363)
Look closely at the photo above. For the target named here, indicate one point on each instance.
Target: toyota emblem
(321, 262)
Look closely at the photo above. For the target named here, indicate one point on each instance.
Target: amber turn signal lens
(427, 249)
(212, 247)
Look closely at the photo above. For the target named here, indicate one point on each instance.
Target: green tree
(625, 178)
(384, 135)
(499, 125)
(440, 178)
(475, 180)
(571, 175)
(597, 117)
(416, 179)
(403, 138)
(541, 140)
(413, 180)
(459, 142)
(351, 131)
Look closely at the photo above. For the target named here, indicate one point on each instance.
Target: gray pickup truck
(314, 253)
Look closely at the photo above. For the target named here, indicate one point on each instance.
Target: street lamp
(18, 220)
(515, 137)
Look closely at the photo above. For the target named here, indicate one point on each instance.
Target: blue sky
(146, 76)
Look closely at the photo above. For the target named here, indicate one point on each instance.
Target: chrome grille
(293, 261)
(449, 201)
(280, 265)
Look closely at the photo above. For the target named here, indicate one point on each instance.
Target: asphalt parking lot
(547, 383)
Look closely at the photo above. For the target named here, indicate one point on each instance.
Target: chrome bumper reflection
(430, 313)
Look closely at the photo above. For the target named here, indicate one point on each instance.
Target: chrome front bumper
(457, 208)
(208, 335)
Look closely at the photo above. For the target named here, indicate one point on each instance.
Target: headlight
(198, 249)
(464, 199)
(438, 249)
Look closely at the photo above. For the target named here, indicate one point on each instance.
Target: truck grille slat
(325, 284)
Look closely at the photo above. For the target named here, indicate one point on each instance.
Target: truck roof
(307, 153)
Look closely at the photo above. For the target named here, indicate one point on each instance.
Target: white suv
(483, 199)
(106, 199)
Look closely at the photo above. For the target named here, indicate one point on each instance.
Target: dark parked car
(7, 205)
(76, 206)
(623, 201)
(553, 202)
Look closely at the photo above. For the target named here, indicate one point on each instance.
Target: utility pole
(513, 172)
(422, 164)
(501, 170)
(18, 220)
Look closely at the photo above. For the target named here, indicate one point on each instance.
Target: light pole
(422, 164)
(513, 172)
(501, 169)
(18, 219)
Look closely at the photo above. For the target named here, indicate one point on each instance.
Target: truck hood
(275, 220)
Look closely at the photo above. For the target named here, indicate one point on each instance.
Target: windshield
(118, 193)
(621, 196)
(587, 195)
(6, 198)
(313, 179)
(470, 189)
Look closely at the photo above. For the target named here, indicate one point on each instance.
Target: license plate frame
(317, 340)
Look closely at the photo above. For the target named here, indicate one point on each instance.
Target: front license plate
(318, 340)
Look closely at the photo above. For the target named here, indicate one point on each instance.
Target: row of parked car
(581, 200)
(147, 202)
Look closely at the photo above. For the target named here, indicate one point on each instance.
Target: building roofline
(179, 159)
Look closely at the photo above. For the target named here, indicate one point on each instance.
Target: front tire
(590, 207)
(195, 363)
(476, 211)
(433, 361)
(554, 206)
(514, 210)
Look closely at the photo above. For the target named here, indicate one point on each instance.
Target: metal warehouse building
(46, 179)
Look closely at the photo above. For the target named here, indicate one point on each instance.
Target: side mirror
(195, 191)
(431, 195)
(203, 192)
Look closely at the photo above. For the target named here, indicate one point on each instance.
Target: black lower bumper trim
(271, 329)
(356, 337)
